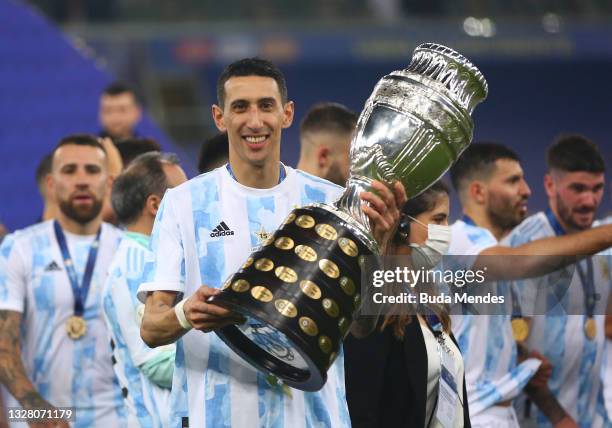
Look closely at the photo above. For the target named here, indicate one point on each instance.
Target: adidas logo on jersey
(221, 230)
(52, 267)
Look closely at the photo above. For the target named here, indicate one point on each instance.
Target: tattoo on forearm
(546, 402)
(12, 371)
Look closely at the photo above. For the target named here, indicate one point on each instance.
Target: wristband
(180, 315)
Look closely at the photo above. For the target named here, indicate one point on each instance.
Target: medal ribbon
(80, 293)
(587, 281)
(281, 175)
(588, 285)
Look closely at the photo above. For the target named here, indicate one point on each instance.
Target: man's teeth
(259, 139)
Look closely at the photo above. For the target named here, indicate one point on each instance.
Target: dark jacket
(386, 379)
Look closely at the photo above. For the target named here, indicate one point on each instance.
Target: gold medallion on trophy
(310, 289)
(590, 328)
(76, 327)
(348, 247)
(329, 268)
(326, 231)
(286, 308)
(284, 243)
(240, 285)
(285, 274)
(520, 329)
(308, 326)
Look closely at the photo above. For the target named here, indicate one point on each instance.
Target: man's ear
(152, 205)
(478, 192)
(323, 156)
(549, 185)
(50, 186)
(217, 114)
(288, 112)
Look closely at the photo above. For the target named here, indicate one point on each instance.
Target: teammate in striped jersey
(252, 195)
(573, 343)
(493, 194)
(145, 374)
(53, 342)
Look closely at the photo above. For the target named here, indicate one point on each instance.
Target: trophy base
(298, 293)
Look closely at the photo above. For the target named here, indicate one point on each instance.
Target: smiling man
(54, 348)
(205, 230)
(571, 337)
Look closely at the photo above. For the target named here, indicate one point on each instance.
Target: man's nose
(254, 119)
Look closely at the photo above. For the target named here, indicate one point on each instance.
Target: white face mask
(430, 254)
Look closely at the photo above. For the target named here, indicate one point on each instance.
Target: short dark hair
(251, 67)
(329, 117)
(573, 153)
(79, 140)
(144, 177)
(43, 169)
(478, 160)
(118, 88)
(130, 148)
(213, 151)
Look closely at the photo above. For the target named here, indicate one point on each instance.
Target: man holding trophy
(288, 297)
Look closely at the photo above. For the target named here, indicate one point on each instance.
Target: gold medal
(520, 329)
(326, 231)
(590, 328)
(76, 327)
(248, 263)
(286, 274)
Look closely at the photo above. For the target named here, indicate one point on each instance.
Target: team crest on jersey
(222, 229)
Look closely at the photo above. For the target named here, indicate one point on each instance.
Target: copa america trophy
(300, 290)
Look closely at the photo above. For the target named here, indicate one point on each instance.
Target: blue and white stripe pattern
(146, 402)
(576, 360)
(489, 351)
(220, 388)
(33, 281)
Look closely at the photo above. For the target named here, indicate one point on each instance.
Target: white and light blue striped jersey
(33, 281)
(576, 360)
(222, 389)
(147, 403)
(492, 375)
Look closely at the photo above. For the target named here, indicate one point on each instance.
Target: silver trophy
(300, 290)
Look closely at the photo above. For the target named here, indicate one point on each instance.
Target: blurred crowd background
(548, 64)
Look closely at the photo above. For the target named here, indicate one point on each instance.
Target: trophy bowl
(299, 292)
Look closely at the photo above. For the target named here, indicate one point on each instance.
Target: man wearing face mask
(393, 375)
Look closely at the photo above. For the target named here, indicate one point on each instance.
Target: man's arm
(12, 372)
(542, 256)
(160, 325)
(538, 392)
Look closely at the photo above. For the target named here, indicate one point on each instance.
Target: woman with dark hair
(393, 375)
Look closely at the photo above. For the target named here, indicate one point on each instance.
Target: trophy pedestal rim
(310, 379)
